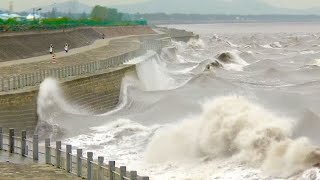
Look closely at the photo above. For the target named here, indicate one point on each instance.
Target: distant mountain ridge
(66, 7)
(241, 7)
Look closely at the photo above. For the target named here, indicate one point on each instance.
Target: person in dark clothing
(102, 35)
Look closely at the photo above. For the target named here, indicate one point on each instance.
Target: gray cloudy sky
(27, 4)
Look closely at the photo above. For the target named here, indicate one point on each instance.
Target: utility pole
(10, 7)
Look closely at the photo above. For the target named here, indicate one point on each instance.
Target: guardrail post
(9, 88)
(1, 139)
(133, 175)
(112, 167)
(27, 150)
(33, 79)
(79, 162)
(41, 77)
(58, 154)
(89, 165)
(23, 142)
(123, 172)
(14, 82)
(22, 81)
(48, 151)
(11, 140)
(100, 170)
(2, 85)
(19, 81)
(73, 71)
(26, 80)
(68, 157)
(35, 147)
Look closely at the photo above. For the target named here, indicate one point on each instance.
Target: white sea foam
(237, 128)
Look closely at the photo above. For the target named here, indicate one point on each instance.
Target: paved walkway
(15, 167)
(100, 50)
(97, 44)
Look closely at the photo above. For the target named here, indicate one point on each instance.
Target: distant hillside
(66, 7)
(240, 7)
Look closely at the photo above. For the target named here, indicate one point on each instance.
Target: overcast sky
(27, 4)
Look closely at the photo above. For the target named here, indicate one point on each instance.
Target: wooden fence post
(89, 165)
(68, 158)
(11, 140)
(112, 167)
(123, 172)
(48, 151)
(58, 154)
(100, 170)
(79, 162)
(1, 139)
(23, 142)
(35, 147)
(133, 175)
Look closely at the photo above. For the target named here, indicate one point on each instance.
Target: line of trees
(100, 13)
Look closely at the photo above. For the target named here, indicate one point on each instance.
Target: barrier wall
(95, 86)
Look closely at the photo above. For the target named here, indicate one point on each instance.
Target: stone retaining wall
(96, 93)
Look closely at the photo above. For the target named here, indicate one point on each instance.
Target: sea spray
(233, 127)
(153, 77)
(50, 104)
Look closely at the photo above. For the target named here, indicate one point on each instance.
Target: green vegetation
(100, 16)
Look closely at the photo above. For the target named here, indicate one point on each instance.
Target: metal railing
(16, 82)
(78, 165)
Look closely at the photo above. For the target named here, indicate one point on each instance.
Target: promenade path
(99, 50)
(15, 167)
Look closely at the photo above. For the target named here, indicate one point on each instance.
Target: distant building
(33, 16)
(6, 16)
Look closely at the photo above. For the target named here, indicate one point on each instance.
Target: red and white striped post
(54, 59)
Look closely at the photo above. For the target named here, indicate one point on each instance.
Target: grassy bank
(11, 25)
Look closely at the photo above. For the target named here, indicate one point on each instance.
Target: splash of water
(50, 104)
(153, 77)
(233, 127)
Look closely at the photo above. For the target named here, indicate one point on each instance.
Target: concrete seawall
(96, 93)
(178, 34)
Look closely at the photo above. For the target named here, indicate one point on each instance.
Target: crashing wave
(196, 43)
(231, 60)
(50, 104)
(233, 127)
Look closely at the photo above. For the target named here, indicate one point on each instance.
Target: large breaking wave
(234, 127)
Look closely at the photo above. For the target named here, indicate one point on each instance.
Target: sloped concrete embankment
(25, 45)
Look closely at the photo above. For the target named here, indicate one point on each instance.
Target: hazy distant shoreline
(161, 18)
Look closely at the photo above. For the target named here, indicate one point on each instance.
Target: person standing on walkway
(66, 47)
(51, 49)
(102, 35)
